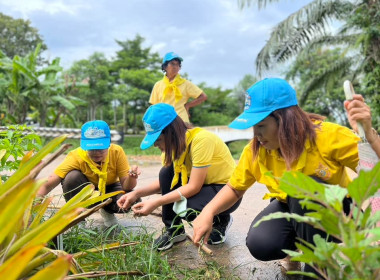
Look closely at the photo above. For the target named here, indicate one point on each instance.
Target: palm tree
(308, 29)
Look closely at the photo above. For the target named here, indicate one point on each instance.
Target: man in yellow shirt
(175, 90)
(98, 162)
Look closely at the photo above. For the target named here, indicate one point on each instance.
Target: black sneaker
(168, 238)
(219, 231)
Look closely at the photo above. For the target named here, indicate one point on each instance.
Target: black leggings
(267, 241)
(75, 181)
(196, 202)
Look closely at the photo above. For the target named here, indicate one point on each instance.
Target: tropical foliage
(357, 255)
(311, 29)
(23, 237)
(16, 141)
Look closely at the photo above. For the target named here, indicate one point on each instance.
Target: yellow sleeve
(155, 95)
(68, 164)
(342, 144)
(192, 90)
(243, 176)
(122, 163)
(202, 150)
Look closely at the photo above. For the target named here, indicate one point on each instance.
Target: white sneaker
(108, 218)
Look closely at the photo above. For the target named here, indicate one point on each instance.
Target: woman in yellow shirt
(285, 138)
(196, 165)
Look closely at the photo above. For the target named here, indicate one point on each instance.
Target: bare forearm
(150, 189)
(49, 185)
(200, 99)
(374, 139)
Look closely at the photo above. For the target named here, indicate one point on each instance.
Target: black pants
(75, 181)
(267, 241)
(196, 202)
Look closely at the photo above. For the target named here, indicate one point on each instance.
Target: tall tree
(94, 72)
(239, 92)
(220, 109)
(320, 95)
(308, 29)
(135, 70)
(18, 37)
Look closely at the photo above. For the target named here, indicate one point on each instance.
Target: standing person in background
(197, 164)
(98, 162)
(175, 90)
(285, 138)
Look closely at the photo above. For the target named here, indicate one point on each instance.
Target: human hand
(144, 208)
(359, 111)
(126, 200)
(134, 172)
(202, 227)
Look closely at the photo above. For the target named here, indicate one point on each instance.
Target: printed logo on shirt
(323, 172)
(94, 133)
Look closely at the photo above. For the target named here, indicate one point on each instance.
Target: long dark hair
(295, 126)
(175, 139)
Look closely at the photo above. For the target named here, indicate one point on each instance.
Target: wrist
(373, 136)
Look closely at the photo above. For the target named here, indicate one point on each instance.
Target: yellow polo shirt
(118, 166)
(336, 148)
(187, 89)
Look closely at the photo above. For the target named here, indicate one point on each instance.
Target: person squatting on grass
(98, 162)
(285, 138)
(359, 111)
(175, 90)
(196, 165)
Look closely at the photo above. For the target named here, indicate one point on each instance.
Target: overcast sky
(217, 40)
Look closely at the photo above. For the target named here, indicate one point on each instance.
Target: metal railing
(72, 133)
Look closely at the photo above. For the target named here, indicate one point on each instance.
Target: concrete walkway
(232, 254)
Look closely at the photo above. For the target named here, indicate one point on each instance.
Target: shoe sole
(176, 239)
(225, 234)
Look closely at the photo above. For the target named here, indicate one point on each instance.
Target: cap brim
(247, 120)
(149, 140)
(95, 144)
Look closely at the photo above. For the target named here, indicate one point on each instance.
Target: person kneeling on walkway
(197, 164)
(98, 162)
(285, 138)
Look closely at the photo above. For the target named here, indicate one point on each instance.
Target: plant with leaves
(95, 73)
(16, 142)
(357, 255)
(317, 93)
(23, 236)
(220, 109)
(310, 28)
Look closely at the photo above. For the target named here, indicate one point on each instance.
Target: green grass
(141, 257)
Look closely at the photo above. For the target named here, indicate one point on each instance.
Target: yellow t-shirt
(187, 89)
(118, 166)
(336, 148)
(208, 150)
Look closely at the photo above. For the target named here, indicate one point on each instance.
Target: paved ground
(232, 254)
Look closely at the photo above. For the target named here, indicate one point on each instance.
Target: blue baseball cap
(170, 56)
(155, 119)
(262, 99)
(95, 135)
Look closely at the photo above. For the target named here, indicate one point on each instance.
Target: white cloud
(217, 40)
(25, 7)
